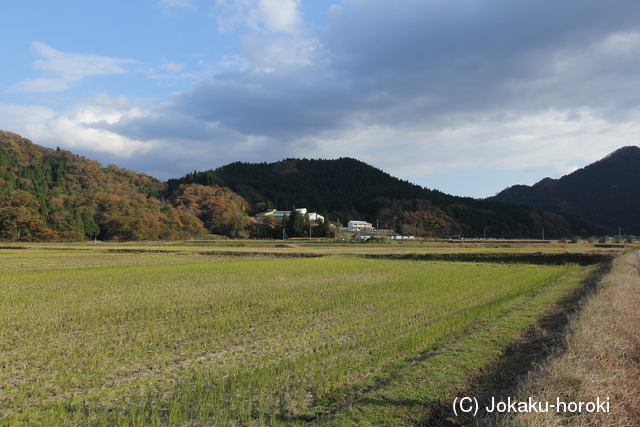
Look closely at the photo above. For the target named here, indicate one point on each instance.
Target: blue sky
(464, 96)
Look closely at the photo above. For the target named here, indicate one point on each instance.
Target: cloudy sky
(464, 96)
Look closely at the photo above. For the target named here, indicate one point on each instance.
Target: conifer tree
(295, 223)
(324, 228)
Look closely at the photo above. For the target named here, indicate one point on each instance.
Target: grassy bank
(601, 359)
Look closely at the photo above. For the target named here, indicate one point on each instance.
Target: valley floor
(275, 333)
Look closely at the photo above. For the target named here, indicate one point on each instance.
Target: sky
(464, 96)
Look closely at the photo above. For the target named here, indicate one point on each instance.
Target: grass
(600, 359)
(96, 337)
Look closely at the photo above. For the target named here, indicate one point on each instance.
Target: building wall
(359, 225)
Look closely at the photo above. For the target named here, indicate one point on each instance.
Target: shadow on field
(540, 258)
(519, 360)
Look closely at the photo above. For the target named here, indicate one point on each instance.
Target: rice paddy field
(183, 335)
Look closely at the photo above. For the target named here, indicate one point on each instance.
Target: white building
(359, 226)
(314, 217)
(278, 215)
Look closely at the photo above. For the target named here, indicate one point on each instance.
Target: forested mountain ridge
(341, 186)
(606, 192)
(48, 194)
(347, 189)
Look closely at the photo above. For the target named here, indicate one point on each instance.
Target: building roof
(279, 214)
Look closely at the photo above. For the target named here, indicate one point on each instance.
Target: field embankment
(601, 359)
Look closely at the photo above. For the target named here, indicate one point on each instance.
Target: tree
(295, 223)
(221, 210)
(398, 226)
(19, 219)
(307, 225)
(91, 229)
(323, 229)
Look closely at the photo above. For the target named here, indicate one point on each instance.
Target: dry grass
(601, 360)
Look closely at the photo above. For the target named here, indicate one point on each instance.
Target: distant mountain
(344, 186)
(606, 192)
(349, 189)
(56, 195)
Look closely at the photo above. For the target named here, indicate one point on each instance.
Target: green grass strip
(408, 397)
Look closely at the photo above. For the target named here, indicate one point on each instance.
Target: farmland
(284, 335)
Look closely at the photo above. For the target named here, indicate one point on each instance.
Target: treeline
(347, 189)
(48, 195)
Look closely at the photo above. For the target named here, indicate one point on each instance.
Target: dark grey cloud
(274, 104)
(467, 54)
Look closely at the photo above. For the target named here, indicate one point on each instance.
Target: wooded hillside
(605, 192)
(348, 189)
(50, 195)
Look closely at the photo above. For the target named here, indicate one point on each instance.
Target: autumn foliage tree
(221, 210)
(50, 194)
(19, 219)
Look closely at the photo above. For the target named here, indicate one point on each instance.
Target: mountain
(48, 195)
(344, 186)
(55, 195)
(348, 189)
(606, 192)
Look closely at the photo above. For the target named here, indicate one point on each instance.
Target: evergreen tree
(323, 228)
(307, 225)
(398, 227)
(91, 229)
(295, 223)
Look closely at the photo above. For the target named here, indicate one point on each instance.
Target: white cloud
(264, 16)
(620, 44)
(275, 41)
(172, 67)
(81, 127)
(276, 53)
(40, 85)
(277, 16)
(64, 69)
